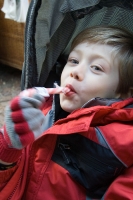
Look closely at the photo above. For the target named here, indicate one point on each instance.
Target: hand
(24, 120)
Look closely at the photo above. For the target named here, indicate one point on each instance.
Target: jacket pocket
(90, 164)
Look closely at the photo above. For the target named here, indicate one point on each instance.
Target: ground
(10, 79)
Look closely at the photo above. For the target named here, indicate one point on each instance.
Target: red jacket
(44, 170)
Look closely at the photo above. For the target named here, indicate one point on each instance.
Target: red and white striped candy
(46, 91)
(58, 90)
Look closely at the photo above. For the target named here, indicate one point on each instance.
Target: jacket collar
(59, 113)
(108, 102)
(100, 102)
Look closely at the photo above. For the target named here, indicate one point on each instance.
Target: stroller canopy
(51, 26)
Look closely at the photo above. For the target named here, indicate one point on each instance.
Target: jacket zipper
(11, 195)
(63, 148)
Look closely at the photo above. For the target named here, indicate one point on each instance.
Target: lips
(72, 90)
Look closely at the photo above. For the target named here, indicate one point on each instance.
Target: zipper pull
(63, 148)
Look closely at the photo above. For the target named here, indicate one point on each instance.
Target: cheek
(113, 84)
(64, 75)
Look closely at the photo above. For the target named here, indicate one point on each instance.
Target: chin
(67, 108)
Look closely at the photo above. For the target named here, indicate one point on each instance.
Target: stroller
(51, 27)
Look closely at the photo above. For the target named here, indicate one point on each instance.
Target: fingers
(28, 92)
(18, 102)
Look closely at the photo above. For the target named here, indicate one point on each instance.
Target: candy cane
(58, 89)
(46, 91)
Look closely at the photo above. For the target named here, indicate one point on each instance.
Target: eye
(73, 61)
(96, 68)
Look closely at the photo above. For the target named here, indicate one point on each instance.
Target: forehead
(94, 48)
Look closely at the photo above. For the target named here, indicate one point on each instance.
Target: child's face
(91, 71)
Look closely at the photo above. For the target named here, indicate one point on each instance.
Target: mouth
(72, 90)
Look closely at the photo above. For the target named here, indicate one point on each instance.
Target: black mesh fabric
(52, 25)
(116, 16)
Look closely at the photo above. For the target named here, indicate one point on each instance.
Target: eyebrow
(92, 56)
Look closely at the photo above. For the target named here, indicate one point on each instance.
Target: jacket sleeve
(7, 154)
(122, 186)
(13, 180)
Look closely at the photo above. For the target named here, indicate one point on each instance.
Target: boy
(88, 152)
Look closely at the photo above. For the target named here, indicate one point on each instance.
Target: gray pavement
(9, 87)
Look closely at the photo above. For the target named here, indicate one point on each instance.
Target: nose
(78, 73)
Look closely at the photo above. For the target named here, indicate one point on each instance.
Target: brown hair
(122, 41)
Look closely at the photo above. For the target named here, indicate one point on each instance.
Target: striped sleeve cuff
(7, 154)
